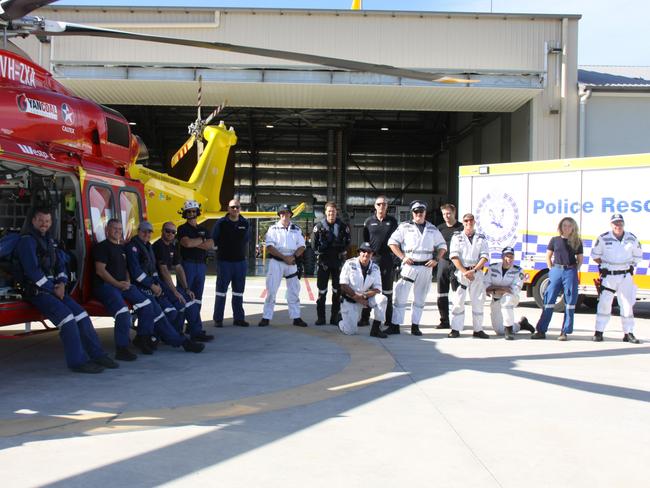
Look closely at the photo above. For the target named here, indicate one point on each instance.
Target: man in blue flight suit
(43, 278)
(141, 263)
(194, 246)
(113, 288)
(330, 239)
(180, 296)
(230, 234)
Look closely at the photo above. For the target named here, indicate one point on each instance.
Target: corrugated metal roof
(614, 76)
(143, 92)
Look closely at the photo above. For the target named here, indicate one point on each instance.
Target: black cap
(508, 250)
(285, 208)
(365, 246)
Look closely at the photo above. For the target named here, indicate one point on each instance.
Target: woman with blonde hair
(563, 258)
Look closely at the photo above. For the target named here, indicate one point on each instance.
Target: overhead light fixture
(132, 123)
(384, 128)
(269, 126)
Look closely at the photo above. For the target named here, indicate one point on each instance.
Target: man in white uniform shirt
(420, 246)
(360, 282)
(617, 252)
(469, 252)
(503, 282)
(284, 243)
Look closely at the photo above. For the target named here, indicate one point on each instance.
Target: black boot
(299, 322)
(320, 321)
(415, 330)
(525, 325)
(123, 354)
(510, 335)
(375, 331)
(598, 337)
(142, 343)
(629, 337)
(392, 329)
(191, 346)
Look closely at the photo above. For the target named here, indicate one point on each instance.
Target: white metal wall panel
(427, 40)
(617, 124)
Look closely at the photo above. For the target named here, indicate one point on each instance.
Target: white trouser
(277, 271)
(625, 293)
(351, 313)
(420, 278)
(476, 292)
(505, 306)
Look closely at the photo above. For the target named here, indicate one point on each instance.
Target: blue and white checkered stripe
(537, 245)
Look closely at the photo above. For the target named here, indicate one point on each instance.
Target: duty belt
(606, 272)
(419, 263)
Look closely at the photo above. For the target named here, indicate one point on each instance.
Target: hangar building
(312, 133)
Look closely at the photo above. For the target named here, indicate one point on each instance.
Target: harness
(45, 256)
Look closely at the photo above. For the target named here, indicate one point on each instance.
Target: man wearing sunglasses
(181, 297)
(194, 245)
(469, 251)
(361, 288)
(377, 229)
(231, 234)
(284, 244)
(141, 263)
(420, 246)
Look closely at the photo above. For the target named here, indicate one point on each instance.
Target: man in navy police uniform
(44, 280)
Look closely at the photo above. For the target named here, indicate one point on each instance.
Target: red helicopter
(79, 158)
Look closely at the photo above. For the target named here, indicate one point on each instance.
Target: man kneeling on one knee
(503, 282)
(360, 283)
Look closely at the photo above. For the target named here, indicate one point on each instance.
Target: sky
(610, 32)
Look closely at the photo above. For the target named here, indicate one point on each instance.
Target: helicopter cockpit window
(117, 132)
(101, 210)
(129, 213)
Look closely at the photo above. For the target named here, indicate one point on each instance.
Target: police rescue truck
(521, 205)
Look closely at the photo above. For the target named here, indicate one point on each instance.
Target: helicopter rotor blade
(182, 151)
(15, 9)
(56, 28)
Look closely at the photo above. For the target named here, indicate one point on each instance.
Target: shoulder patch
(604, 234)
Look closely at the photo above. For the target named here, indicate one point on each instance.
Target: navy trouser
(326, 271)
(195, 275)
(446, 269)
(162, 327)
(560, 279)
(230, 272)
(80, 341)
(190, 311)
(115, 302)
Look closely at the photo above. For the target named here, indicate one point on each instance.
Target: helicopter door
(101, 206)
(130, 212)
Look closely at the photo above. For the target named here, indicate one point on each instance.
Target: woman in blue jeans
(563, 258)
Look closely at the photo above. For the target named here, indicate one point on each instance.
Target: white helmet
(191, 205)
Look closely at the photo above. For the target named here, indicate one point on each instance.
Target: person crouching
(360, 283)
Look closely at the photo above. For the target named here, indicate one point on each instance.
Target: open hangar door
(350, 156)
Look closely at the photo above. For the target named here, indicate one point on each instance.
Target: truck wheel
(309, 261)
(540, 287)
